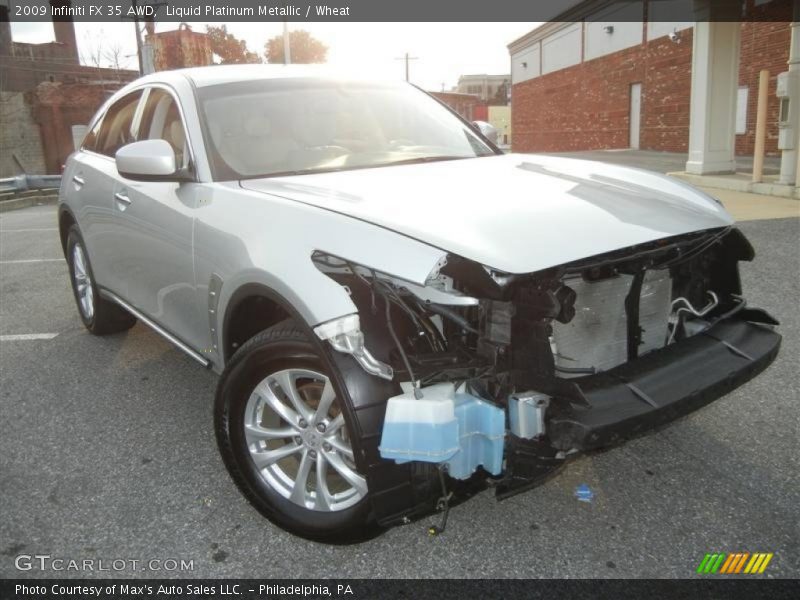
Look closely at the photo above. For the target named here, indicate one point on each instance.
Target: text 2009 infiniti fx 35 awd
(394, 305)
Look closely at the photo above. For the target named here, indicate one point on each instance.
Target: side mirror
(487, 130)
(148, 160)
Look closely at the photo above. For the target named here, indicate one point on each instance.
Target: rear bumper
(664, 385)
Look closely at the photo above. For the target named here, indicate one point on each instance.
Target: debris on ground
(584, 493)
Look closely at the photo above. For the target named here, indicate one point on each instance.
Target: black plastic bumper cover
(664, 385)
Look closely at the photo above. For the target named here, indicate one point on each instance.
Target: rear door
(91, 178)
(154, 245)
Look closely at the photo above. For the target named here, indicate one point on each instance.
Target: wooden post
(761, 126)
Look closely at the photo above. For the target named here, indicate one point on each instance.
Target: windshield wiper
(315, 171)
(421, 159)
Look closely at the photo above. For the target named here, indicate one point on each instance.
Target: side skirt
(155, 327)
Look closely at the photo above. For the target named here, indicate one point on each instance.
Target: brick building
(47, 97)
(180, 48)
(474, 107)
(464, 104)
(611, 78)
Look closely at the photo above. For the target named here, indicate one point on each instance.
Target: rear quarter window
(90, 141)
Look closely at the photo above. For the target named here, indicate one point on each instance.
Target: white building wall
(614, 29)
(658, 23)
(661, 28)
(525, 64)
(562, 49)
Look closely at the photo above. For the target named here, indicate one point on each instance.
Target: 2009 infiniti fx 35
(394, 305)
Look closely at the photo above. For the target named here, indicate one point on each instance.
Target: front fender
(243, 237)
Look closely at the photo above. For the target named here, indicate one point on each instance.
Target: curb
(739, 185)
(17, 203)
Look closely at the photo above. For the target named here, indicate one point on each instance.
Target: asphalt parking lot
(107, 451)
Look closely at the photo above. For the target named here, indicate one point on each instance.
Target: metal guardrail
(21, 183)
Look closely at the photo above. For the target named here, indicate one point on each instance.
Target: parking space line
(28, 230)
(30, 260)
(19, 337)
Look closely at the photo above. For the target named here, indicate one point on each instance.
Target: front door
(91, 183)
(155, 234)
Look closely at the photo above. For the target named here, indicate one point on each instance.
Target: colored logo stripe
(728, 562)
(734, 562)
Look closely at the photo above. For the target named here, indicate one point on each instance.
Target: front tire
(99, 316)
(284, 438)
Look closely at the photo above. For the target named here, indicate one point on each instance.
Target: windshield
(295, 126)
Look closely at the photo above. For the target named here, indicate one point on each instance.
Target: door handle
(78, 180)
(122, 199)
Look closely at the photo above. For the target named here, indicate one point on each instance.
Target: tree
(92, 51)
(230, 49)
(117, 60)
(303, 46)
(501, 96)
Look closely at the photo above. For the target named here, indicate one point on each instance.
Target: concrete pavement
(752, 207)
(107, 451)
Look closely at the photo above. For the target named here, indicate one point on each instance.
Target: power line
(135, 18)
(407, 58)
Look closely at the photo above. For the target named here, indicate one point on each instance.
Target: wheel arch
(397, 490)
(65, 220)
(252, 308)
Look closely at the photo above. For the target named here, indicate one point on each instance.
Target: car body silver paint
(516, 213)
(146, 158)
(273, 245)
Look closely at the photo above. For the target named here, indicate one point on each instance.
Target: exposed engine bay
(495, 366)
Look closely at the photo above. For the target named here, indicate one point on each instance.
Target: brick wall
(20, 140)
(587, 106)
(666, 92)
(463, 104)
(56, 107)
(180, 48)
(763, 46)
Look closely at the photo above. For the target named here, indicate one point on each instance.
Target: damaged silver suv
(397, 309)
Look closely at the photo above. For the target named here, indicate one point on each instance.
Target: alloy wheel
(82, 281)
(297, 439)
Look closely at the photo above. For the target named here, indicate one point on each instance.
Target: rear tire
(276, 399)
(99, 316)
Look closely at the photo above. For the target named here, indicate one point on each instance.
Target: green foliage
(230, 49)
(304, 48)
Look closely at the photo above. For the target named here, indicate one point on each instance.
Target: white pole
(789, 157)
(287, 51)
(796, 171)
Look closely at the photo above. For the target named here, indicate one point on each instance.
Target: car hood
(517, 213)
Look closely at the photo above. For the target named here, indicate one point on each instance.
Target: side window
(90, 141)
(161, 120)
(116, 127)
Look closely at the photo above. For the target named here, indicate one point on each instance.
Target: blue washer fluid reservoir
(481, 434)
(444, 427)
(423, 429)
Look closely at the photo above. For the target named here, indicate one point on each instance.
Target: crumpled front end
(506, 375)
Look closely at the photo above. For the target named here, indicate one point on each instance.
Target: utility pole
(287, 49)
(138, 38)
(144, 50)
(406, 58)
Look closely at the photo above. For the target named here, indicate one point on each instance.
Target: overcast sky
(443, 50)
